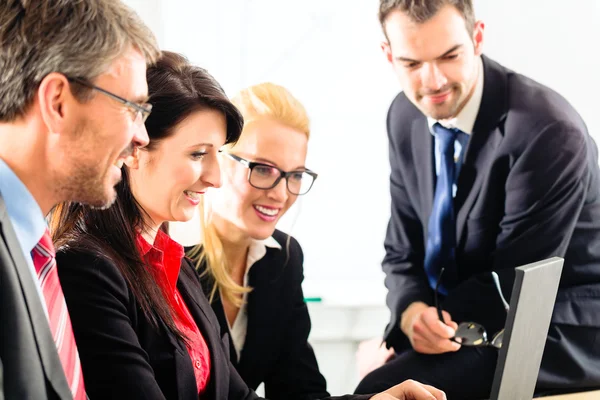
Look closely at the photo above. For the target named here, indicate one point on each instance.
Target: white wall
(327, 53)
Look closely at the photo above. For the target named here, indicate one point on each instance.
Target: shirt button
(198, 365)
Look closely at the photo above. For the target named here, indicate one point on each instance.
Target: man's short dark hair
(421, 11)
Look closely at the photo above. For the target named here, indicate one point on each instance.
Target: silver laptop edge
(531, 305)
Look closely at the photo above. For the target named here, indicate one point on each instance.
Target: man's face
(105, 132)
(436, 61)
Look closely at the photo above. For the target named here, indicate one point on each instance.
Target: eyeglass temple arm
(499, 289)
(437, 305)
(242, 161)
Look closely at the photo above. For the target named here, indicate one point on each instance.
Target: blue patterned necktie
(441, 237)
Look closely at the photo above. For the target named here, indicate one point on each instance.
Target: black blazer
(276, 350)
(529, 189)
(28, 357)
(122, 355)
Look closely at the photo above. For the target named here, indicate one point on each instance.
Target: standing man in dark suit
(489, 170)
(72, 89)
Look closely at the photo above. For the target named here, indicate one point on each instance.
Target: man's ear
(478, 34)
(133, 161)
(387, 51)
(56, 102)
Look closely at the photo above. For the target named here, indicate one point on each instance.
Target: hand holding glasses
(471, 333)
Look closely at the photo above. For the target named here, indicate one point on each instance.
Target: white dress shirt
(257, 250)
(464, 121)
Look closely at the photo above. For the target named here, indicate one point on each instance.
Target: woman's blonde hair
(262, 101)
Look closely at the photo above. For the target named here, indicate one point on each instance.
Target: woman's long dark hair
(176, 89)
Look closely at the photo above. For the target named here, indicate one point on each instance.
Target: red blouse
(164, 257)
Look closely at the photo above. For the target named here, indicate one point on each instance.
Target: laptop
(526, 329)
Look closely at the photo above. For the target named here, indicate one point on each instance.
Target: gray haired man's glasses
(140, 112)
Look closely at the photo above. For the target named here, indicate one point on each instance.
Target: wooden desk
(595, 395)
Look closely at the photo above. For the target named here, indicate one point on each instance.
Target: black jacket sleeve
(114, 365)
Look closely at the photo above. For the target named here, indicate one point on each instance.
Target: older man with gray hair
(73, 89)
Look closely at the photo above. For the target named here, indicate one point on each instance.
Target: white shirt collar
(465, 120)
(258, 249)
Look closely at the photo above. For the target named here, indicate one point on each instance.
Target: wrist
(409, 314)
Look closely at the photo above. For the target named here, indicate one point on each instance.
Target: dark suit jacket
(276, 350)
(30, 363)
(529, 189)
(123, 356)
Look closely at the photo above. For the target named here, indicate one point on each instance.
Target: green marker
(313, 299)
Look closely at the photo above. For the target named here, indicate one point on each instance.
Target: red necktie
(60, 323)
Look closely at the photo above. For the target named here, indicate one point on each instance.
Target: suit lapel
(207, 283)
(487, 135)
(423, 160)
(200, 309)
(39, 321)
(254, 309)
(261, 309)
(217, 306)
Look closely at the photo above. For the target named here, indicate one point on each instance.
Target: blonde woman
(252, 273)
